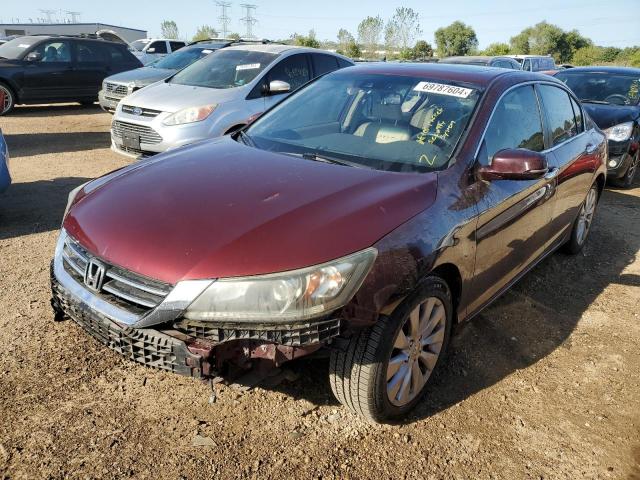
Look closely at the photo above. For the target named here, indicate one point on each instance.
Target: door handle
(590, 148)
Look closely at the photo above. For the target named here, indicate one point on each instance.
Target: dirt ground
(544, 384)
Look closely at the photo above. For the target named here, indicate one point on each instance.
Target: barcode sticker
(248, 66)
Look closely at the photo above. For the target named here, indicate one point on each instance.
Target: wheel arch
(450, 273)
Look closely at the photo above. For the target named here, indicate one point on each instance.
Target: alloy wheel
(8, 98)
(415, 351)
(631, 172)
(585, 218)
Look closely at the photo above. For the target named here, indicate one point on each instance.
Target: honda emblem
(94, 275)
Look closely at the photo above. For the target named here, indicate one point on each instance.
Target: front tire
(383, 371)
(582, 224)
(627, 181)
(9, 99)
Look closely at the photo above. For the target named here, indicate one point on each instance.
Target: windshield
(17, 47)
(385, 122)
(138, 45)
(180, 59)
(614, 88)
(224, 69)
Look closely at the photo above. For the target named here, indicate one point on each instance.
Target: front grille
(144, 112)
(147, 134)
(115, 91)
(293, 335)
(148, 347)
(122, 288)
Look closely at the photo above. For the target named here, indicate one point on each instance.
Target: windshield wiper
(592, 100)
(324, 159)
(246, 139)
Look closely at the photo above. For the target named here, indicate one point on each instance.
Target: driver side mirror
(151, 50)
(515, 164)
(276, 87)
(33, 57)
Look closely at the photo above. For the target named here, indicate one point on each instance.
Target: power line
(75, 16)
(224, 18)
(48, 13)
(249, 20)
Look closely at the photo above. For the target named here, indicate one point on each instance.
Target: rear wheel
(383, 371)
(582, 225)
(9, 99)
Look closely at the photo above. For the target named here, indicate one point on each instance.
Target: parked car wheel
(627, 180)
(9, 99)
(383, 372)
(582, 225)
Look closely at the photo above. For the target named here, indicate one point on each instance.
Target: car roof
(474, 58)
(479, 75)
(529, 56)
(602, 69)
(67, 37)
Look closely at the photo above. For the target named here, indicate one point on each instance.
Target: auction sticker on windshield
(443, 89)
(248, 66)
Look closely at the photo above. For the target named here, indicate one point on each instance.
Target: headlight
(288, 296)
(190, 115)
(620, 132)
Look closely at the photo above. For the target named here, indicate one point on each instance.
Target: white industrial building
(111, 32)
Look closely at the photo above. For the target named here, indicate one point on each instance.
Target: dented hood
(223, 209)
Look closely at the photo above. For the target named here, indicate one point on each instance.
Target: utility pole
(75, 16)
(48, 13)
(224, 17)
(249, 20)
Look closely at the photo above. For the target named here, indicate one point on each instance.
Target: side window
(176, 46)
(294, 70)
(578, 114)
(557, 106)
(516, 123)
(323, 64)
(115, 54)
(89, 53)
(53, 51)
(535, 65)
(526, 65)
(160, 46)
(343, 63)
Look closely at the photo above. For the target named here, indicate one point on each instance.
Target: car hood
(221, 209)
(607, 116)
(141, 76)
(171, 97)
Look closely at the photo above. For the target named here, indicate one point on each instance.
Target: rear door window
(160, 47)
(559, 113)
(516, 123)
(294, 70)
(89, 53)
(323, 64)
(578, 114)
(176, 46)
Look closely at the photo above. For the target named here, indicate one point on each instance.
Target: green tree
(234, 36)
(494, 49)
(594, 55)
(369, 31)
(456, 39)
(402, 29)
(422, 50)
(169, 29)
(548, 39)
(308, 41)
(629, 57)
(353, 50)
(344, 39)
(204, 32)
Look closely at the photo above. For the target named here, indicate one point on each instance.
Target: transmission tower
(224, 17)
(48, 13)
(74, 16)
(248, 19)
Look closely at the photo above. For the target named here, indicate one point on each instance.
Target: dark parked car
(363, 216)
(118, 86)
(54, 69)
(484, 61)
(611, 96)
(5, 175)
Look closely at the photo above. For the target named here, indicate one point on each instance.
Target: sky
(610, 22)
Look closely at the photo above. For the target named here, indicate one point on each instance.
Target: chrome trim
(178, 299)
(139, 286)
(119, 293)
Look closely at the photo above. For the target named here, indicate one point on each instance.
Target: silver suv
(149, 49)
(215, 95)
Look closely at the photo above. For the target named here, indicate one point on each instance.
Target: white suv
(149, 49)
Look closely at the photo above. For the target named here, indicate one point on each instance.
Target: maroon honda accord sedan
(362, 218)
